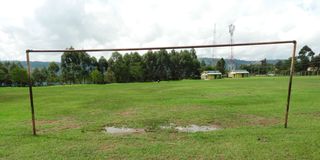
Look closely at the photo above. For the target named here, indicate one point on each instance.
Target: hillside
(34, 64)
(213, 61)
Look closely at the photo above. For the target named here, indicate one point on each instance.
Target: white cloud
(144, 23)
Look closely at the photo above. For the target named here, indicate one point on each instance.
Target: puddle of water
(115, 130)
(191, 128)
(195, 128)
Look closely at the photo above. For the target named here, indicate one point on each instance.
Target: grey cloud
(69, 24)
(124, 23)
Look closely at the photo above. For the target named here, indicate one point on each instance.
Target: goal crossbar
(28, 51)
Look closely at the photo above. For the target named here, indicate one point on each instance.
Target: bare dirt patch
(107, 147)
(46, 122)
(314, 114)
(254, 120)
(45, 126)
(127, 113)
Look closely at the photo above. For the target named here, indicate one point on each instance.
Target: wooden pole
(31, 95)
(290, 83)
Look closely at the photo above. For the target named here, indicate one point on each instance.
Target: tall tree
(221, 66)
(44, 74)
(53, 70)
(19, 75)
(109, 77)
(96, 77)
(315, 62)
(175, 65)
(134, 62)
(36, 76)
(149, 61)
(6, 72)
(2, 74)
(263, 66)
(76, 66)
(305, 55)
(103, 65)
(118, 67)
(162, 65)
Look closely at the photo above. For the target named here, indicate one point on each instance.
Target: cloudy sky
(49, 24)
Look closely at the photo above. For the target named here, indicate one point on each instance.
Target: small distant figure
(158, 80)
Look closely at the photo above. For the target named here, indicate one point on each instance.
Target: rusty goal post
(293, 42)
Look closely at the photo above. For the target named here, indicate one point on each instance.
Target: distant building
(312, 69)
(238, 74)
(210, 75)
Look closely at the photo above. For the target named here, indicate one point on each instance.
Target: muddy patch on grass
(254, 120)
(313, 114)
(123, 130)
(127, 113)
(45, 126)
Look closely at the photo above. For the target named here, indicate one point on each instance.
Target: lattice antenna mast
(213, 42)
(231, 31)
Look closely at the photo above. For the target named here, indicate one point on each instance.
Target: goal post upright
(290, 83)
(28, 51)
(31, 94)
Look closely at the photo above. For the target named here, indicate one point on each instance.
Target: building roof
(239, 71)
(212, 72)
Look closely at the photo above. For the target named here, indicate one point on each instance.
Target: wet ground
(123, 130)
(189, 129)
(195, 128)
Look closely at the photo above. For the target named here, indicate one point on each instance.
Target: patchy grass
(71, 120)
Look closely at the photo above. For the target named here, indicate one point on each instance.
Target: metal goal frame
(28, 51)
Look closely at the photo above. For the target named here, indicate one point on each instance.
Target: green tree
(305, 55)
(2, 74)
(263, 66)
(6, 69)
(53, 70)
(118, 67)
(109, 76)
(19, 75)
(149, 61)
(76, 66)
(162, 65)
(103, 65)
(221, 66)
(134, 65)
(44, 74)
(315, 62)
(176, 69)
(279, 66)
(96, 77)
(36, 76)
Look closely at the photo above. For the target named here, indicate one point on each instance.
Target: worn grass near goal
(70, 120)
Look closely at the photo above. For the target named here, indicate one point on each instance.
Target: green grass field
(70, 120)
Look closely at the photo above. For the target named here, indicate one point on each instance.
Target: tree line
(305, 61)
(12, 73)
(80, 68)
